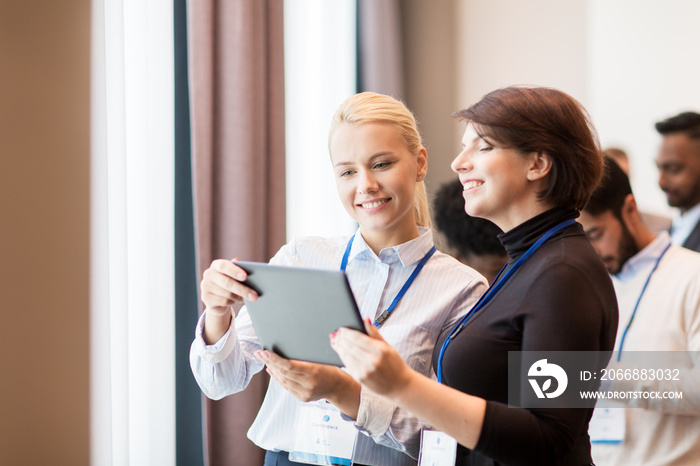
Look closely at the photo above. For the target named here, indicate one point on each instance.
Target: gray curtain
(237, 112)
(380, 51)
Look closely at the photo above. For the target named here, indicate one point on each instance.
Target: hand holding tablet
(298, 308)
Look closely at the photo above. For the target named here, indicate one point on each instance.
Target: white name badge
(436, 448)
(607, 425)
(323, 437)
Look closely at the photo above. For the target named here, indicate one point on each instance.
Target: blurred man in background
(657, 285)
(679, 175)
(620, 157)
(656, 223)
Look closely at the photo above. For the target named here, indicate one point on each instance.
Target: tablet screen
(298, 308)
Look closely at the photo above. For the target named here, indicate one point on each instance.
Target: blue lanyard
(496, 287)
(634, 311)
(385, 315)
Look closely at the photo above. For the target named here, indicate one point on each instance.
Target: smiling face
(499, 183)
(679, 170)
(611, 239)
(376, 177)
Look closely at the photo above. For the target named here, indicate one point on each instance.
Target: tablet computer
(298, 308)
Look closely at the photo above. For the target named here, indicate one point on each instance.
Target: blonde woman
(379, 164)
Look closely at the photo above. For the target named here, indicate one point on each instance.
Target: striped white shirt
(442, 292)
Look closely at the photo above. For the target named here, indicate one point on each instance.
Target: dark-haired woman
(530, 160)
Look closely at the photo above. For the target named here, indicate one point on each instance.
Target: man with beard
(657, 285)
(679, 175)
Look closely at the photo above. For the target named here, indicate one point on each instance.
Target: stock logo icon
(543, 371)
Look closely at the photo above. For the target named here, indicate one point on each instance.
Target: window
(320, 73)
(132, 286)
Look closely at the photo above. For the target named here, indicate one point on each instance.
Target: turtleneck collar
(520, 238)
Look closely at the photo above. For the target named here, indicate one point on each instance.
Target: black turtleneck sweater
(561, 299)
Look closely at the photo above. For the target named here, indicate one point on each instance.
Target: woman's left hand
(371, 360)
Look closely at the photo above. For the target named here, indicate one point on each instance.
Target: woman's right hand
(221, 288)
(370, 360)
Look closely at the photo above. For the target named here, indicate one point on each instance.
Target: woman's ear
(422, 159)
(540, 166)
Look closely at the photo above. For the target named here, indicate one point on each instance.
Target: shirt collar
(683, 224)
(644, 258)
(409, 252)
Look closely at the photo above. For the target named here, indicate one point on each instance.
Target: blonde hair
(370, 107)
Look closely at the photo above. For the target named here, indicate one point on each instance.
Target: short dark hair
(616, 153)
(612, 191)
(686, 122)
(466, 234)
(541, 119)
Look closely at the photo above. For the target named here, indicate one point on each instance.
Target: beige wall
(430, 47)
(508, 42)
(627, 61)
(458, 50)
(44, 232)
(642, 68)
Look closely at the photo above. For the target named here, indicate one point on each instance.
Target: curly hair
(467, 234)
